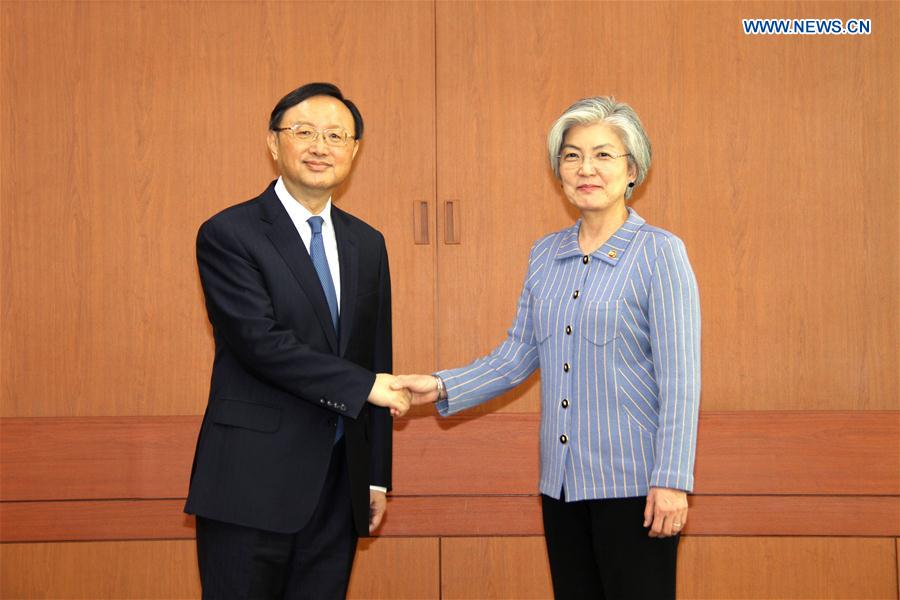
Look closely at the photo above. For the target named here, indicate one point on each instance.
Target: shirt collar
(298, 213)
(610, 252)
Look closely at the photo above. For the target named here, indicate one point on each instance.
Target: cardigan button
(568, 330)
(566, 367)
(585, 259)
(565, 403)
(563, 439)
(575, 295)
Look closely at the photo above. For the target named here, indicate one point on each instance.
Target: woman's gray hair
(619, 116)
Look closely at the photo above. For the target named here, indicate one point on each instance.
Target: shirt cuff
(378, 488)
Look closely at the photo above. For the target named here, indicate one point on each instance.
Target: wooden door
(126, 125)
(774, 159)
(780, 180)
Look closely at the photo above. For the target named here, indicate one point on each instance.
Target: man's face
(313, 169)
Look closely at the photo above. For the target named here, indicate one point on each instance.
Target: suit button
(575, 294)
(566, 367)
(321, 400)
(565, 403)
(563, 439)
(585, 259)
(568, 330)
(343, 407)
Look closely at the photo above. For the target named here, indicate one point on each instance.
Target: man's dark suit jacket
(281, 376)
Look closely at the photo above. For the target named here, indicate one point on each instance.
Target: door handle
(452, 227)
(420, 222)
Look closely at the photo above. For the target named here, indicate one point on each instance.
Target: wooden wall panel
(784, 452)
(384, 568)
(830, 453)
(166, 570)
(95, 520)
(708, 568)
(447, 516)
(470, 568)
(875, 516)
(775, 159)
(126, 125)
(96, 457)
(393, 568)
(784, 567)
(495, 567)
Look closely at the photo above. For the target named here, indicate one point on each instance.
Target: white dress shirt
(299, 215)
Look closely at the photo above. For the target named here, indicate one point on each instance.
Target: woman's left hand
(666, 512)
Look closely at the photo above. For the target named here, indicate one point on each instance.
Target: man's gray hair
(619, 116)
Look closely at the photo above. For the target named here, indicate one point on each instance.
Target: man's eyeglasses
(306, 133)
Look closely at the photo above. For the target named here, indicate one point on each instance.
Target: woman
(610, 314)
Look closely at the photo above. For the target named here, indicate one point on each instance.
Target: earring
(631, 184)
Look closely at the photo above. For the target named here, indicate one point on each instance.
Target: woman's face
(593, 168)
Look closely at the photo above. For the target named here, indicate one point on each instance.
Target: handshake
(400, 392)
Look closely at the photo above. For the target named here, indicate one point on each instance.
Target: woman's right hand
(424, 388)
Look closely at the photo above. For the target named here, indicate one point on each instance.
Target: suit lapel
(286, 240)
(347, 251)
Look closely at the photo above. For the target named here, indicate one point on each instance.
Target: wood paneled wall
(126, 125)
(464, 516)
(167, 570)
(775, 159)
(473, 568)
(123, 125)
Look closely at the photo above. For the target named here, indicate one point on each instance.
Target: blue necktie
(320, 262)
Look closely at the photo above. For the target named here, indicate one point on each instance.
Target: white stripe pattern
(623, 354)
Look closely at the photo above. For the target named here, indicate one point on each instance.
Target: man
(294, 455)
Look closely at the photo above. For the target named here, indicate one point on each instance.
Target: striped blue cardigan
(616, 335)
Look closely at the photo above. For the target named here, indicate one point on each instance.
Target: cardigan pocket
(544, 314)
(600, 322)
(642, 416)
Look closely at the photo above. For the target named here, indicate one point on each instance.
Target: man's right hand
(383, 395)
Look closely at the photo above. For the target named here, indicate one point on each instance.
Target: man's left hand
(377, 506)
